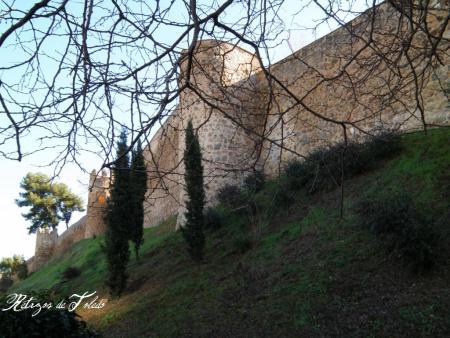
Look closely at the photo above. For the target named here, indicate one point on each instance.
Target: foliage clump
(5, 283)
(213, 219)
(325, 167)
(255, 181)
(394, 218)
(242, 243)
(14, 267)
(71, 272)
(231, 196)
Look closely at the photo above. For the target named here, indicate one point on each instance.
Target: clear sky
(14, 238)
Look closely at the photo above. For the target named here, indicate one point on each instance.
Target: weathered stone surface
(244, 122)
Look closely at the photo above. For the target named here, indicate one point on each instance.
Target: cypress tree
(138, 188)
(117, 219)
(193, 176)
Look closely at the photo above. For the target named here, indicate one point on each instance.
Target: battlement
(98, 195)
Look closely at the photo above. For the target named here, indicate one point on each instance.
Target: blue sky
(14, 238)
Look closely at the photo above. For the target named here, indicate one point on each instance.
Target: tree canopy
(49, 202)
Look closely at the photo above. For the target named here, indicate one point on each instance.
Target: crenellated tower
(96, 206)
(46, 239)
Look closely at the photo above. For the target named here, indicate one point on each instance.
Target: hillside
(296, 271)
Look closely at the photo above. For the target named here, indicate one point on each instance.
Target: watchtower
(96, 207)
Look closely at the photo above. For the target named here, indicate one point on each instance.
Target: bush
(383, 144)
(231, 196)
(322, 168)
(71, 273)
(22, 271)
(213, 219)
(242, 243)
(48, 323)
(394, 218)
(283, 196)
(255, 181)
(297, 174)
(5, 283)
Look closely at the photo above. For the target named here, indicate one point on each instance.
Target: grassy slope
(308, 273)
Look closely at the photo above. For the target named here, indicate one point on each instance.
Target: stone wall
(75, 233)
(248, 119)
(216, 67)
(341, 77)
(96, 206)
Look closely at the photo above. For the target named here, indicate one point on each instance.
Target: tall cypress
(193, 176)
(138, 187)
(117, 219)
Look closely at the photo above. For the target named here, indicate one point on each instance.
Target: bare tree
(74, 73)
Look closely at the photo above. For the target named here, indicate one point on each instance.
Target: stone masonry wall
(368, 94)
(244, 123)
(216, 68)
(246, 119)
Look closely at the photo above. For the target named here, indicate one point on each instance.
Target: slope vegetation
(301, 271)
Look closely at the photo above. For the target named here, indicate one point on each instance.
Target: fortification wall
(45, 243)
(247, 119)
(75, 233)
(163, 173)
(96, 206)
(343, 78)
(211, 106)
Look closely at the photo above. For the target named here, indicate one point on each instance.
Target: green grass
(87, 256)
(308, 273)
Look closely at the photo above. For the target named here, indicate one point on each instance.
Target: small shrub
(5, 283)
(231, 196)
(322, 168)
(255, 181)
(22, 271)
(242, 243)
(71, 273)
(394, 218)
(213, 219)
(296, 173)
(383, 144)
(283, 197)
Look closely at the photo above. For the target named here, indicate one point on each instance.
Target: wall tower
(96, 207)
